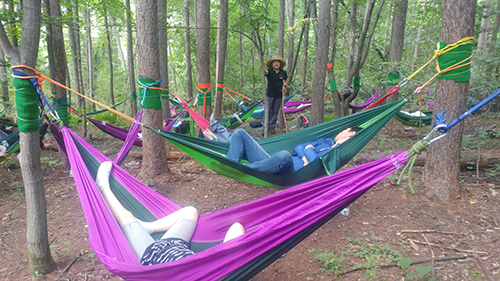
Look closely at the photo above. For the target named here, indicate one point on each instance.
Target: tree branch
(8, 49)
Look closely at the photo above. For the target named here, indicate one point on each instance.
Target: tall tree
(74, 43)
(90, 62)
(485, 24)
(202, 8)
(397, 40)
(318, 85)
(221, 53)
(419, 34)
(153, 149)
(493, 40)
(26, 53)
(307, 9)
(114, 29)
(291, 32)
(4, 81)
(130, 57)
(187, 49)
(163, 43)
(442, 168)
(110, 56)
(333, 51)
(281, 30)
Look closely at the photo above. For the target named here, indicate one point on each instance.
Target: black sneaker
(272, 131)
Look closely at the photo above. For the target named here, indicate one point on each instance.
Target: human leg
(280, 163)
(243, 144)
(274, 109)
(234, 231)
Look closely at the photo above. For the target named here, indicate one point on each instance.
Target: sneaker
(212, 119)
(272, 131)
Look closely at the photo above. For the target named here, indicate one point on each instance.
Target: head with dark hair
(346, 134)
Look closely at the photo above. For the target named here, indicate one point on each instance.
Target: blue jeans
(281, 163)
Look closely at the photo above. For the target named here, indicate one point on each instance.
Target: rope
(413, 152)
(40, 77)
(437, 53)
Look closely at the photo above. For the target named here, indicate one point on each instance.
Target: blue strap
(42, 100)
(146, 87)
(469, 112)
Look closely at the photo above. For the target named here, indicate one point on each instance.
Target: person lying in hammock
(282, 162)
(179, 227)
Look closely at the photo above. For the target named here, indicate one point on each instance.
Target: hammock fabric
(233, 123)
(274, 224)
(213, 154)
(417, 121)
(13, 139)
(290, 108)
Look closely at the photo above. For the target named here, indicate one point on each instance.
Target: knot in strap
(413, 152)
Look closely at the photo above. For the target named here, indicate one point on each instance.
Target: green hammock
(414, 121)
(233, 123)
(13, 140)
(213, 153)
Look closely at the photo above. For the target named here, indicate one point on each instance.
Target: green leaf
(404, 262)
(422, 270)
(410, 275)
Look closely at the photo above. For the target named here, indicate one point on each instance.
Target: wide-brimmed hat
(282, 61)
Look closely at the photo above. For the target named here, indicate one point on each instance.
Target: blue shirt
(321, 146)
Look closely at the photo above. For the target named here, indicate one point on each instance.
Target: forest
(136, 64)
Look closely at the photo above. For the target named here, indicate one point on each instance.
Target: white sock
(212, 119)
(102, 179)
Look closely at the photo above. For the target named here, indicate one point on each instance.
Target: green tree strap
(150, 98)
(133, 95)
(357, 83)
(220, 89)
(392, 79)
(62, 109)
(27, 106)
(201, 96)
(333, 85)
(412, 153)
(460, 53)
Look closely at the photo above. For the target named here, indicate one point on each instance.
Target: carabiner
(434, 130)
(403, 82)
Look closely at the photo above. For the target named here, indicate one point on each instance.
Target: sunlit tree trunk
(419, 35)
(154, 160)
(110, 57)
(221, 53)
(116, 34)
(303, 79)
(76, 57)
(442, 168)
(493, 40)
(485, 25)
(187, 49)
(130, 57)
(318, 85)
(5, 83)
(203, 55)
(163, 43)
(90, 63)
(281, 29)
(333, 51)
(39, 257)
(397, 40)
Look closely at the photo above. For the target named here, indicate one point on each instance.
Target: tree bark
(318, 86)
(153, 146)
(163, 43)
(110, 57)
(419, 35)
(397, 40)
(203, 51)
(39, 256)
(493, 40)
(485, 25)
(333, 51)
(74, 43)
(187, 50)
(130, 57)
(303, 79)
(441, 173)
(4, 83)
(221, 53)
(90, 63)
(116, 34)
(281, 29)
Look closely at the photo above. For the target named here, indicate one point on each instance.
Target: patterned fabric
(166, 250)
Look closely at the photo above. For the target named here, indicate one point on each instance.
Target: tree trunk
(90, 63)
(485, 25)
(116, 34)
(202, 8)
(333, 51)
(110, 57)
(397, 40)
(74, 43)
(318, 86)
(39, 256)
(291, 19)
(187, 50)
(130, 57)
(153, 146)
(5, 83)
(493, 39)
(281, 29)
(221, 53)
(163, 43)
(303, 79)
(419, 35)
(240, 44)
(441, 173)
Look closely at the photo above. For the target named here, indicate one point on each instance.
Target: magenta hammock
(274, 224)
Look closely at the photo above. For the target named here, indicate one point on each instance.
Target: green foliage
(150, 182)
(330, 262)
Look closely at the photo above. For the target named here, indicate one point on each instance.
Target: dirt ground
(457, 241)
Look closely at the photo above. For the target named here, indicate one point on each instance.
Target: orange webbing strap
(41, 77)
(208, 86)
(224, 88)
(439, 71)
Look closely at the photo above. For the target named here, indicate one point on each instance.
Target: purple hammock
(274, 224)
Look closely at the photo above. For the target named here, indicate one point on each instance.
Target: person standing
(277, 80)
